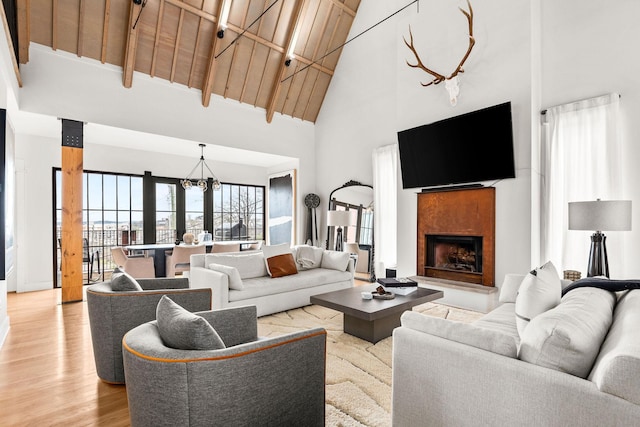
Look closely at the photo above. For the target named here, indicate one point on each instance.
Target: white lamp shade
(600, 215)
(339, 218)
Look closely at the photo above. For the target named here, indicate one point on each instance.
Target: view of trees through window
(238, 212)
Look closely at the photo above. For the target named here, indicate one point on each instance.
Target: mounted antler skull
(451, 81)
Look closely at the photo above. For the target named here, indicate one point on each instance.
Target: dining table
(159, 251)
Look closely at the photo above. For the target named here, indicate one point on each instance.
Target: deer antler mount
(451, 81)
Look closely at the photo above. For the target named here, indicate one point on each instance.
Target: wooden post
(71, 235)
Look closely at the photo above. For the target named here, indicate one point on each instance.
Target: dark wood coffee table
(375, 319)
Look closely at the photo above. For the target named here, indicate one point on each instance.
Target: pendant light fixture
(187, 183)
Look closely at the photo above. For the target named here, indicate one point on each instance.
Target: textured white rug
(358, 373)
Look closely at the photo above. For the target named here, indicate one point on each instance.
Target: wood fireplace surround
(461, 213)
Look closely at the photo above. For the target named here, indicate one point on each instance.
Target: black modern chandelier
(188, 182)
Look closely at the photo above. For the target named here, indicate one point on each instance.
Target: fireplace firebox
(454, 253)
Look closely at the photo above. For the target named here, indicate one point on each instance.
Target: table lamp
(339, 219)
(599, 215)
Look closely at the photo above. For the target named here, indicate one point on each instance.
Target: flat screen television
(465, 149)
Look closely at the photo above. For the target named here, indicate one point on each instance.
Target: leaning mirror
(350, 225)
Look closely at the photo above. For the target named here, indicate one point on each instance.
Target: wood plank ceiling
(177, 40)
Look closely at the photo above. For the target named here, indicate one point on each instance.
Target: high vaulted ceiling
(177, 40)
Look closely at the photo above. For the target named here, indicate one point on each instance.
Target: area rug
(358, 389)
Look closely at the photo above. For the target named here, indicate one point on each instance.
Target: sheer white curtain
(385, 189)
(580, 161)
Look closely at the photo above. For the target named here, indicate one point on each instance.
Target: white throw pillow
(509, 288)
(235, 282)
(307, 257)
(274, 250)
(540, 291)
(568, 337)
(249, 266)
(335, 260)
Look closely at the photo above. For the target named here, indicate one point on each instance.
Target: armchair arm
(164, 283)
(209, 279)
(235, 325)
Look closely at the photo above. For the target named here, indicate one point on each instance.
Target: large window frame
(221, 209)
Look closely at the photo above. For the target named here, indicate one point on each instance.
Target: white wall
(588, 50)
(375, 94)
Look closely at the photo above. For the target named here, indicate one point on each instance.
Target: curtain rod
(543, 112)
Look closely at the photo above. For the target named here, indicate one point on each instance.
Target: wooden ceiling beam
(131, 47)
(105, 31)
(277, 83)
(207, 84)
(156, 42)
(342, 6)
(191, 9)
(194, 57)
(24, 29)
(176, 48)
(235, 50)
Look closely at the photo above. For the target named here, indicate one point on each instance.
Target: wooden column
(71, 234)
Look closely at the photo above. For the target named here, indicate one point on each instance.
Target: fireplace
(456, 235)
(454, 253)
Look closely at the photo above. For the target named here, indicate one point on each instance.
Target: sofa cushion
(484, 339)
(262, 286)
(539, 291)
(281, 265)
(184, 330)
(307, 257)
(335, 260)
(121, 281)
(248, 265)
(501, 319)
(568, 337)
(235, 281)
(274, 250)
(619, 356)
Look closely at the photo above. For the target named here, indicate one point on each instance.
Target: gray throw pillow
(181, 329)
(121, 281)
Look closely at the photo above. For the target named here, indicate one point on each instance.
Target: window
(238, 212)
(112, 213)
(166, 210)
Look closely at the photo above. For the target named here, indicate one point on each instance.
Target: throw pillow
(235, 282)
(281, 265)
(121, 281)
(568, 337)
(181, 329)
(274, 250)
(335, 260)
(308, 257)
(540, 291)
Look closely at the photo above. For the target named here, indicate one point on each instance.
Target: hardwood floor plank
(47, 372)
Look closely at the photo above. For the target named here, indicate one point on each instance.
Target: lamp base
(598, 260)
(339, 239)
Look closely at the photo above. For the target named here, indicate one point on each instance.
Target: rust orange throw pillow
(282, 265)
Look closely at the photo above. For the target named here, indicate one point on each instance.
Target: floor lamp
(608, 215)
(339, 219)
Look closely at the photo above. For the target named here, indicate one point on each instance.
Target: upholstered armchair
(252, 381)
(112, 313)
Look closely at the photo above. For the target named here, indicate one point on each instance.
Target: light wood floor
(47, 372)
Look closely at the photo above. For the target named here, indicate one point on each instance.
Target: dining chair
(180, 258)
(89, 257)
(136, 266)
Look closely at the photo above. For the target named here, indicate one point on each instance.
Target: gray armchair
(113, 313)
(266, 381)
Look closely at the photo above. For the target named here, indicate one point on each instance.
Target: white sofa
(576, 364)
(331, 271)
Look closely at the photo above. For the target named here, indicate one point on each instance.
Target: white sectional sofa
(576, 364)
(241, 278)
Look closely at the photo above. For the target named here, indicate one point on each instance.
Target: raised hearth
(456, 235)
